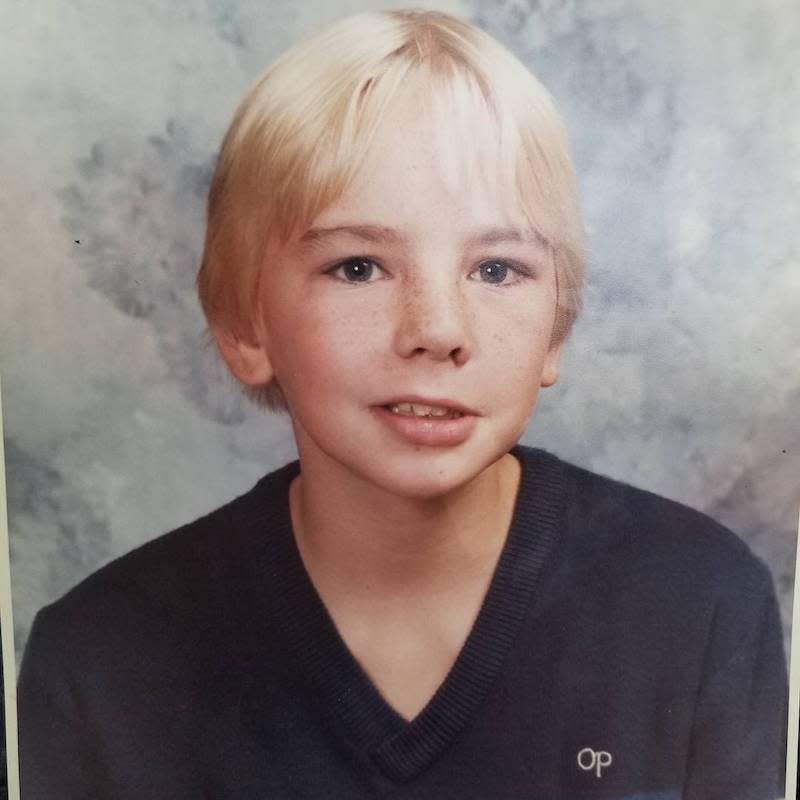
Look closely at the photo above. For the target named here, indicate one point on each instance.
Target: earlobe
(552, 366)
(247, 360)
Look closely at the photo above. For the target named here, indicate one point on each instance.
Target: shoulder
(662, 582)
(171, 587)
(637, 535)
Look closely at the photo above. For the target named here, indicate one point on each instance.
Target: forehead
(433, 160)
(317, 237)
(455, 139)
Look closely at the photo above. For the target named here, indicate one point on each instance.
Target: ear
(247, 360)
(552, 365)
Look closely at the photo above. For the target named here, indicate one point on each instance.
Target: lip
(427, 431)
(443, 402)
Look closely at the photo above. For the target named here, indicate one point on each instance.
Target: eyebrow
(380, 234)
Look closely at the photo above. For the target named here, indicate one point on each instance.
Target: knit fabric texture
(628, 648)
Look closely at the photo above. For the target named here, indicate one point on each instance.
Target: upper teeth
(419, 410)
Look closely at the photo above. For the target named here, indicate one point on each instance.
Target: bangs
(301, 152)
(477, 142)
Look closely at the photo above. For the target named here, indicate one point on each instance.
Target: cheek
(324, 347)
(520, 334)
(517, 355)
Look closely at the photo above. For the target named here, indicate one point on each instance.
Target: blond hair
(302, 131)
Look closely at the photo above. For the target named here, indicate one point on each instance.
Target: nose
(434, 319)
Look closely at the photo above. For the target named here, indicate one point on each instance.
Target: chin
(415, 490)
(421, 478)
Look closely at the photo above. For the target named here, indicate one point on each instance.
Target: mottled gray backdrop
(683, 376)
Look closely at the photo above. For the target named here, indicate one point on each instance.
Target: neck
(369, 540)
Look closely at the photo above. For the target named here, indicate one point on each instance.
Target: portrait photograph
(400, 401)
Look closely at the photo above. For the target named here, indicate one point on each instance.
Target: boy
(420, 607)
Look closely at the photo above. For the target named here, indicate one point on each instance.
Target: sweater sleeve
(738, 745)
(54, 758)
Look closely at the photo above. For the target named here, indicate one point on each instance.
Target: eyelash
(520, 269)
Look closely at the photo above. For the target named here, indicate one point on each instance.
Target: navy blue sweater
(628, 647)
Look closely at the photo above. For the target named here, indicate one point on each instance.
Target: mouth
(428, 422)
(431, 412)
(428, 408)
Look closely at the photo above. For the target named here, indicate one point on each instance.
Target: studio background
(683, 376)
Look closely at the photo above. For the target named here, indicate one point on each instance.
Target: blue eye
(493, 271)
(355, 270)
(496, 272)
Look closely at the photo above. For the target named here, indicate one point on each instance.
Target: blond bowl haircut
(304, 128)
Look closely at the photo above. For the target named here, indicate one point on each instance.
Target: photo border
(7, 624)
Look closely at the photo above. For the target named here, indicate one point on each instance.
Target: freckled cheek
(515, 354)
(523, 331)
(332, 347)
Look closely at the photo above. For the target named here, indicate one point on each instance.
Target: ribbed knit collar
(349, 701)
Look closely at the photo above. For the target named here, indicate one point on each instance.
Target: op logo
(593, 760)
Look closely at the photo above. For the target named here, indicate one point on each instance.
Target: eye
(496, 272)
(354, 270)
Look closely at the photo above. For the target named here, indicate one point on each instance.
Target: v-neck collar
(348, 699)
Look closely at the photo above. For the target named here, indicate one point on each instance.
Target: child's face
(412, 304)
